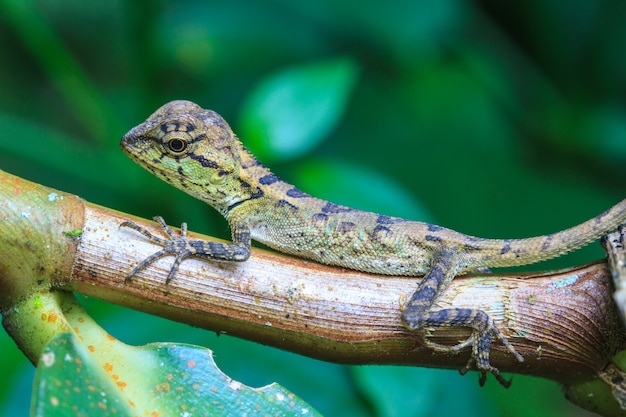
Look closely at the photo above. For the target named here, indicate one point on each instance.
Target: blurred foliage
(493, 118)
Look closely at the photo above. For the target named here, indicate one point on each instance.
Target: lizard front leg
(417, 314)
(181, 247)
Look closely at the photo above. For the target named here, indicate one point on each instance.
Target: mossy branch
(565, 324)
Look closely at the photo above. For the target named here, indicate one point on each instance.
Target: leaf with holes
(159, 379)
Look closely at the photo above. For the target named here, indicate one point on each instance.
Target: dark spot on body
(319, 221)
(171, 127)
(380, 233)
(295, 193)
(346, 227)
(177, 127)
(423, 299)
(285, 203)
(379, 229)
(434, 228)
(268, 179)
(319, 217)
(460, 316)
(207, 163)
(470, 247)
(506, 247)
(436, 274)
(382, 219)
(432, 238)
(335, 208)
(547, 242)
(258, 193)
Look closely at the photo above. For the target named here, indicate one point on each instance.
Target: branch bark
(564, 323)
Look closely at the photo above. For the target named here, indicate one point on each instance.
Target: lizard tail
(514, 252)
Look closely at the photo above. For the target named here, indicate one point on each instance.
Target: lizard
(196, 151)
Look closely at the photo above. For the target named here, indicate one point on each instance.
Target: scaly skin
(195, 150)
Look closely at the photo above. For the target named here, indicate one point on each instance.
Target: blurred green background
(498, 119)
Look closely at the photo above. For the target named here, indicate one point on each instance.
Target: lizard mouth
(126, 143)
(133, 145)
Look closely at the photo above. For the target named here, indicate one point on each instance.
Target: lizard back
(195, 150)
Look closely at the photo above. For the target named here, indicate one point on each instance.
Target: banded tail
(514, 252)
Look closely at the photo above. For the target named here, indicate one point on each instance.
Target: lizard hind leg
(417, 314)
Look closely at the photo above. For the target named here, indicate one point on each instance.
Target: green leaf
(73, 233)
(160, 379)
(292, 111)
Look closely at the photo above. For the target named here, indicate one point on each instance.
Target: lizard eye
(177, 145)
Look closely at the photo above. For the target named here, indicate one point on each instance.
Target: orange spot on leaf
(52, 316)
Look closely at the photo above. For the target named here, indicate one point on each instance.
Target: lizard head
(192, 149)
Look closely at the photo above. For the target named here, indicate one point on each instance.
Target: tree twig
(564, 323)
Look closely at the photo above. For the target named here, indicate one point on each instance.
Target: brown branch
(564, 323)
(614, 246)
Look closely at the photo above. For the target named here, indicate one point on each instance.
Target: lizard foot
(180, 247)
(484, 330)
